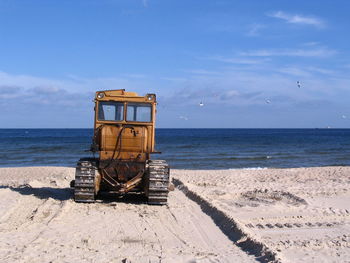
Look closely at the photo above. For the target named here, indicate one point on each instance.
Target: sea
(188, 148)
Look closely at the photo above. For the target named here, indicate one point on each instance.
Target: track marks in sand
(303, 214)
(21, 214)
(230, 227)
(25, 223)
(293, 225)
(328, 220)
(185, 233)
(340, 241)
(197, 230)
(266, 196)
(64, 231)
(29, 210)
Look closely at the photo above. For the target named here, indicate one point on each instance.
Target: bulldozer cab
(124, 125)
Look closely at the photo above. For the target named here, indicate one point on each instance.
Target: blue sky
(242, 59)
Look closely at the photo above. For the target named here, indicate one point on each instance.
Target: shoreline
(187, 169)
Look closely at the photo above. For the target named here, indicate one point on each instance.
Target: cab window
(139, 112)
(110, 111)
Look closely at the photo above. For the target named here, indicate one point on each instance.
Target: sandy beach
(281, 215)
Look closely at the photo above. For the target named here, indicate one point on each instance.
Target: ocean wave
(230, 158)
(45, 148)
(250, 158)
(250, 168)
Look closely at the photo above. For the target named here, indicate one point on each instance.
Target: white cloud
(315, 52)
(295, 71)
(251, 86)
(233, 90)
(9, 89)
(310, 44)
(229, 94)
(175, 79)
(322, 70)
(9, 92)
(235, 60)
(298, 19)
(305, 71)
(184, 118)
(27, 81)
(47, 90)
(134, 76)
(66, 91)
(240, 86)
(202, 72)
(254, 30)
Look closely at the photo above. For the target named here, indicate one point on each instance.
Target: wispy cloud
(68, 91)
(175, 79)
(183, 118)
(237, 60)
(254, 30)
(10, 91)
(315, 52)
(134, 76)
(294, 71)
(23, 96)
(311, 44)
(298, 19)
(44, 90)
(305, 71)
(203, 72)
(229, 94)
(322, 71)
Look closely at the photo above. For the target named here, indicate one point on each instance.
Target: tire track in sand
(230, 228)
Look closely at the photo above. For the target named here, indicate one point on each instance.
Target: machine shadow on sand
(130, 198)
(60, 194)
(64, 194)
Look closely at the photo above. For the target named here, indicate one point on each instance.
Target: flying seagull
(299, 84)
(268, 101)
(201, 104)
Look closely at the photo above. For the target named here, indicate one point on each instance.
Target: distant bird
(201, 104)
(267, 101)
(299, 84)
(183, 118)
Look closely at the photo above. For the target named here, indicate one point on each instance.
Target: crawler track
(84, 187)
(158, 182)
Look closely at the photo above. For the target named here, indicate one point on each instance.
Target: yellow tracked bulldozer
(124, 138)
